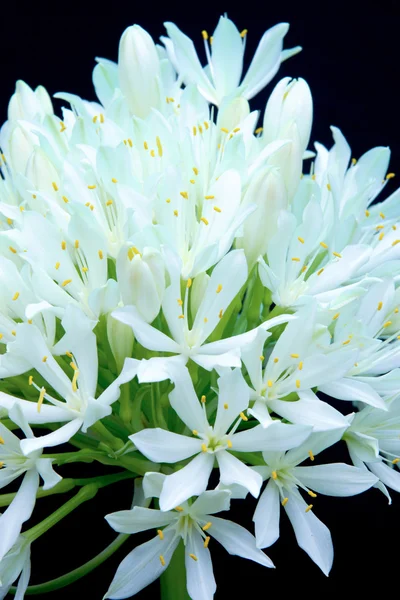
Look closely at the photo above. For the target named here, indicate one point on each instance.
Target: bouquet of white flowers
(178, 286)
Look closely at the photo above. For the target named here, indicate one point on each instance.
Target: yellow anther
(189, 283)
(337, 254)
(379, 227)
(130, 142)
(312, 494)
(262, 357)
(274, 475)
(204, 448)
(335, 316)
(203, 399)
(243, 416)
(10, 221)
(269, 383)
(162, 560)
(194, 557)
(55, 186)
(1, 336)
(181, 317)
(74, 380)
(159, 147)
(219, 288)
(294, 355)
(382, 216)
(204, 220)
(195, 432)
(179, 301)
(346, 342)
(1, 440)
(207, 541)
(195, 171)
(41, 398)
(101, 118)
(295, 259)
(276, 360)
(311, 455)
(356, 364)
(194, 129)
(395, 242)
(73, 366)
(229, 444)
(66, 282)
(381, 236)
(76, 244)
(13, 250)
(387, 324)
(16, 296)
(396, 310)
(205, 320)
(21, 208)
(109, 202)
(200, 127)
(243, 33)
(65, 199)
(179, 508)
(192, 181)
(114, 180)
(92, 187)
(160, 534)
(30, 380)
(309, 507)
(285, 501)
(297, 383)
(353, 161)
(206, 125)
(395, 461)
(380, 304)
(390, 176)
(226, 406)
(300, 366)
(328, 185)
(168, 200)
(94, 119)
(323, 245)
(69, 354)
(207, 526)
(14, 332)
(224, 130)
(184, 195)
(145, 145)
(63, 245)
(301, 240)
(44, 359)
(367, 213)
(152, 153)
(62, 127)
(217, 209)
(320, 271)
(259, 130)
(176, 213)
(209, 197)
(220, 314)
(100, 253)
(204, 34)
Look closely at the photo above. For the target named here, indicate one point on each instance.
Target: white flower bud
(267, 191)
(28, 104)
(142, 280)
(139, 71)
(20, 148)
(290, 102)
(289, 159)
(41, 172)
(121, 338)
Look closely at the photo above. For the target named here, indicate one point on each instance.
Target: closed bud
(139, 71)
(42, 173)
(266, 191)
(142, 280)
(20, 148)
(28, 104)
(121, 338)
(290, 103)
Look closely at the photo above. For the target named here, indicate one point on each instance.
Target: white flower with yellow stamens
(194, 524)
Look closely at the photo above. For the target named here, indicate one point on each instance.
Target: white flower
(212, 443)
(16, 563)
(80, 408)
(195, 524)
(225, 61)
(285, 479)
(14, 463)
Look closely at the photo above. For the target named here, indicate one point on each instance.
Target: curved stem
(68, 578)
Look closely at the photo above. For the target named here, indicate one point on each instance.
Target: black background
(350, 60)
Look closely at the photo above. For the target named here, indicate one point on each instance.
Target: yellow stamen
(101, 118)
(229, 444)
(300, 366)
(92, 187)
(395, 242)
(243, 416)
(207, 541)
(382, 216)
(209, 197)
(189, 283)
(206, 125)
(380, 304)
(195, 171)
(269, 383)
(311, 455)
(204, 448)
(69, 354)
(243, 33)
(100, 253)
(152, 153)
(221, 312)
(63, 245)
(274, 475)
(76, 244)
(74, 379)
(320, 271)
(336, 316)
(195, 432)
(66, 282)
(181, 317)
(353, 161)
(63, 128)
(205, 320)
(309, 507)
(295, 259)
(55, 186)
(159, 147)
(203, 399)
(179, 301)
(224, 130)
(16, 296)
(262, 358)
(146, 146)
(168, 200)
(301, 240)
(219, 288)
(226, 406)
(204, 34)
(312, 494)
(73, 366)
(194, 557)
(179, 508)
(285, 501)
(337, 254)
(130, 142)
(41, 398)
(44, 359)
(390, 175)
(381, 236)
(13, 332)
(176, 213)
(367, 213)
(217, 209)
(396, 310)
(162, 560)
(160, 534)
(323, 245)
(30, 379)
(387, 324)
(395, 461)
(294, 355)
(207, 526)
(192, 181)
(276, 360)
(194, 129)
(328, 185)
(297, 383)
(1, 440)
(259, 130)
(345, 343)
(204, 220)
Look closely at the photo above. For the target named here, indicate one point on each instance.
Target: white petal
(388, 475)
(183, 398)
(238, 541)
(232, 470)
(190, 481)
(55, 438)
(251, 358)
(199, 573)
(335, 479)
(266, 516)
(18, 512)
(138, 519)
(277, 437)
(47, 414)
(227, 57)
(45, 469)
(233, 398)
(152, 484)
(261, 413)
(311, 534)
(351, 389)
(142, 566)
(157, 368)
(148, 336)
(165, 446)
(211, 502)
(314, 412)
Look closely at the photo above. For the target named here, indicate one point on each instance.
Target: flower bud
(20, 148)
(41, 172)
(290, 102)
(142, 280)
(121, 338)
(232, 113)
(28, 104)
(139, 71)
(267, 191)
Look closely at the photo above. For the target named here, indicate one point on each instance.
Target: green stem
(125, 404)
(63, 486)
(68, 578)
(106, 436)
(86, 493)
(173, 580)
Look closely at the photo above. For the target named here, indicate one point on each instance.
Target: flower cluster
(178, 288)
